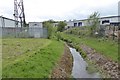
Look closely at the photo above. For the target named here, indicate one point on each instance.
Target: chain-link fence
(8, 30)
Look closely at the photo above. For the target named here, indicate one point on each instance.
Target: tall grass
(36, 64)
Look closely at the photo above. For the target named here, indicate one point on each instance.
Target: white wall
(36, 29)
(35, 24)
(71, 23)
(112, 20)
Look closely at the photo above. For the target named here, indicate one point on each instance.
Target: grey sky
(40, 10)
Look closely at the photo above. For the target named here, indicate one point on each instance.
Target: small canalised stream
(79, 66)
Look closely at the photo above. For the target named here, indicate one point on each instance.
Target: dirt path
(108, 66)
(63, 68)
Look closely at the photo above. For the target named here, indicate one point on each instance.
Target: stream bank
(106, 66)
(63, 68)
(80, 67)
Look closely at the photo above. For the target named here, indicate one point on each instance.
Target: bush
(61, 26)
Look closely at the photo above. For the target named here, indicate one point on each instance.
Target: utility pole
(19, 14)
(16, 13)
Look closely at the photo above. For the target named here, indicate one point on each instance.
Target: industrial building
(7, 22)
(111, 20)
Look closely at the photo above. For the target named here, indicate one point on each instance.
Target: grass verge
(106, 47)
(36, 63)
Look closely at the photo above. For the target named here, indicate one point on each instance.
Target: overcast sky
(40, 10)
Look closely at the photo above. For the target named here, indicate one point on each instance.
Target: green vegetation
(79, 31)
(30, 58)
(103, 46)
(14, 48)
(49, 26)
(61, 26)
(93, 21)
(53, 31)
(0, 58)
(91, 68)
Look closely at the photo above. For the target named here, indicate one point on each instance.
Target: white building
(111, 20)
(7, 27)
(7, 22)
(36, 29)
(35, 25)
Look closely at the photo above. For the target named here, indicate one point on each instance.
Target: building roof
(7, 18)
(99, 18)
(109, 17)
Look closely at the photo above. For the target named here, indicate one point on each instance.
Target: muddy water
(79, 66)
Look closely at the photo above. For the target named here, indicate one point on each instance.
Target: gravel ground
(108, 66)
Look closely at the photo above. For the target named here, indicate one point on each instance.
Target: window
(75, 24)
(105, 21)
(114, 24)
(80, 24)
(35, 24)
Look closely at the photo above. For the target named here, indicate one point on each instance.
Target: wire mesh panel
(8, 30)
(0, 50)
(0, 32)
(37, 32)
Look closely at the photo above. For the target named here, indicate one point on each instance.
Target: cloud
(40, 10)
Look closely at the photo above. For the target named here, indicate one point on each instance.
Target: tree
(49, 27)
(61, 26)
(93, 21)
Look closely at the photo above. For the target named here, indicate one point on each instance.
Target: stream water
(79, 66)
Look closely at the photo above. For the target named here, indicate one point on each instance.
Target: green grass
(37, 62)
(0, 58)
(106, 47)
(16, 49)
